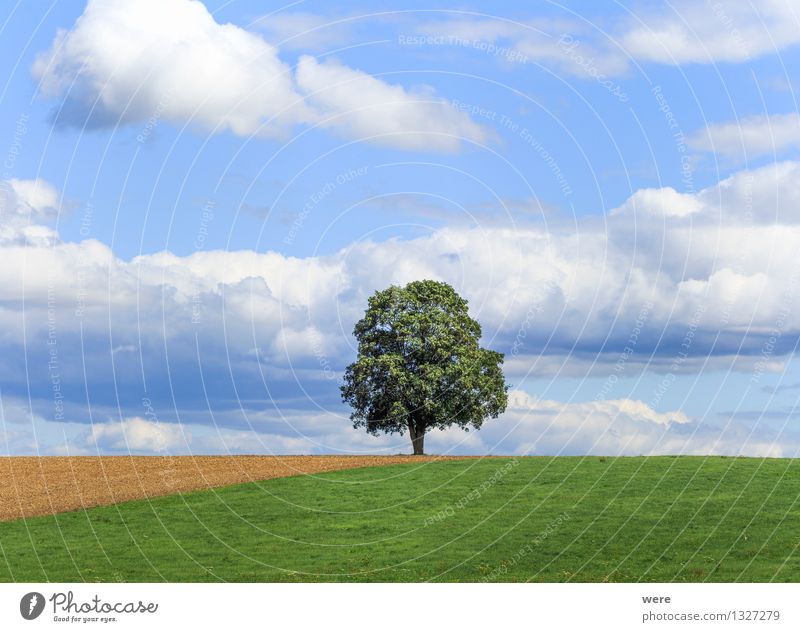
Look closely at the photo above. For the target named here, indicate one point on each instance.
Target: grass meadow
(540, 519)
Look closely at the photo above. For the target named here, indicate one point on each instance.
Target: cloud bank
(256, 342)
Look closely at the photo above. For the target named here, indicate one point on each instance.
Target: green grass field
(497, 519)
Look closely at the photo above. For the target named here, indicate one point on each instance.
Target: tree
(420, 366)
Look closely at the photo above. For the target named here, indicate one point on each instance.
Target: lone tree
(420, 366)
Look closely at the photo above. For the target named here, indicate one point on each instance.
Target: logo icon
(31, 605)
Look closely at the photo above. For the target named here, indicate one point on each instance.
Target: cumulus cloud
(694, 276)
(749, 137)
(530, 426)
(761, 196)
(135, 60)
(125, 61)
(682, 252)
(664, 202)
(621, 428)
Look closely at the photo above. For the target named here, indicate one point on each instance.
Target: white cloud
(619, 428)
(127, 61)
(37, 197)
(361, 106)
(761, 196)
(749, 137)
(726, 31)
(563, 44)
(153, 60)
(683, 32)
(530, 426)
(584, 284)
(665, 202)
(137, 435)
(767, 195)
(281, 325)
(243, 442)
(24, 205)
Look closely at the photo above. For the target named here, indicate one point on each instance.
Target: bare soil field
(37, 486)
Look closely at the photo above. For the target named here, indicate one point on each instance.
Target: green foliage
(653, 519)
(420, 365)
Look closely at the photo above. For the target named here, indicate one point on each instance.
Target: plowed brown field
(36, 486)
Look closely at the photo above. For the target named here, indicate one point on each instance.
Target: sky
(198, 198)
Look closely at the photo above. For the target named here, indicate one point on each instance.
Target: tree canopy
(420, 365)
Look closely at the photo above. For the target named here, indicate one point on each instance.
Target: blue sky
(198, 198)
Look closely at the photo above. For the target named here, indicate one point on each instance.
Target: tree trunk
(417, 438)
